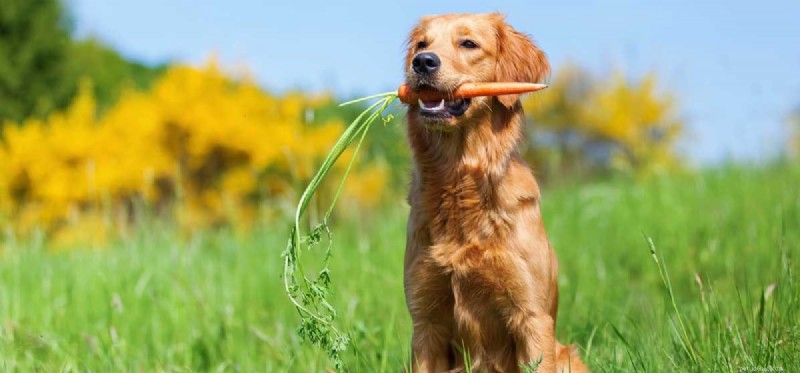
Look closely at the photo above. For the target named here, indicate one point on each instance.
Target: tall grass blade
(683, 336)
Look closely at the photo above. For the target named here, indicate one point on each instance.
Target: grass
(722, 294)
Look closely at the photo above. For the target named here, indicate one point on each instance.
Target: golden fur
(480, 273)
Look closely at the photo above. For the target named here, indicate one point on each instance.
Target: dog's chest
(464, 211)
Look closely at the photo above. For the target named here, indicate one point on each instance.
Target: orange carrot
(468, 90)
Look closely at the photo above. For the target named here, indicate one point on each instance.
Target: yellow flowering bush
(639, 119)
(200, 145)
(615, 122)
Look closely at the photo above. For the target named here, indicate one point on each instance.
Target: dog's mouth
(438, 108)
(443, 108)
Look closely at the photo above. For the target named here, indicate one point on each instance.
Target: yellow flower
(202, 144)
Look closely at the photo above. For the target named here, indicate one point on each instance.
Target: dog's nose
(426, 63)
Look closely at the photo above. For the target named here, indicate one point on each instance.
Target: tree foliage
(34, 45)
(109, 72)
(42, 64)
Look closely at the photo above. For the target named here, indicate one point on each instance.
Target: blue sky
(735, 65)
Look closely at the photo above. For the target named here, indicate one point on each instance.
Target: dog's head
(446, 51)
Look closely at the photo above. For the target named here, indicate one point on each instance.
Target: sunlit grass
(727, 243)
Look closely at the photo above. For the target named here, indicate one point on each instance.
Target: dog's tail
(567, 360)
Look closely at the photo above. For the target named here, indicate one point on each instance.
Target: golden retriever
(480, 275)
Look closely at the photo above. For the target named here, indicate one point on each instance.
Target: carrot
(468, 90)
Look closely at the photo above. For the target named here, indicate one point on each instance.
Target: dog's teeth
(428, 106)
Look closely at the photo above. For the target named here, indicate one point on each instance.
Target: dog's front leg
(431, 348)
(534, 339)
(430, 303)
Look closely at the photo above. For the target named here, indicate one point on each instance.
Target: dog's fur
(480, 274)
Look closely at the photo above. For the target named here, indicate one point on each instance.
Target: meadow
(145, 207)
(723, 294)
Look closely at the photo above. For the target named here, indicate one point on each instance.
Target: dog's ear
(518, 59)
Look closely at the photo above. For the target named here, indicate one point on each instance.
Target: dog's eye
(469, 44)
(422, 44)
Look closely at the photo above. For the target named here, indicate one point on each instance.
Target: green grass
(728, 239)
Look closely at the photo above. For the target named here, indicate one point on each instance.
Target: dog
(480, 275)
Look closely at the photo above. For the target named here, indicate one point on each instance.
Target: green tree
(109, 72)
(34, 46)
(42, 66)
